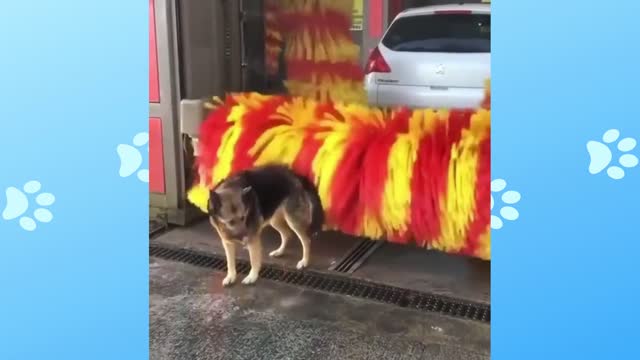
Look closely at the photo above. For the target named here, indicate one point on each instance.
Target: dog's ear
(247, 198)
(214, 203)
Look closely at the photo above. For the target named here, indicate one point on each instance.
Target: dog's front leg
(230, 252)
(255, 254)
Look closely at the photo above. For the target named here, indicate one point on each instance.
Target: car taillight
(376, 63)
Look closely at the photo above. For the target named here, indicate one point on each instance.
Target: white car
(434, 56)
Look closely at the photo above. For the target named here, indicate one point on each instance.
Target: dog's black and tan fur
(246, 202)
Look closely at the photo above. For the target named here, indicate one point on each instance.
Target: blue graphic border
(74, 85)
(564, 274)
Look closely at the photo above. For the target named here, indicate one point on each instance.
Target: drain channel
(356, 256)
(336, 284)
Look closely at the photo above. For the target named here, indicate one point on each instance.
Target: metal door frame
(168, 77)
(179, 50)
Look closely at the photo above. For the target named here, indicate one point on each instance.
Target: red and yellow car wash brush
(406, 176)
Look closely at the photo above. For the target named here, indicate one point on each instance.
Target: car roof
(425, 10)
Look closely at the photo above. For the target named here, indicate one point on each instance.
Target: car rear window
(466, 33)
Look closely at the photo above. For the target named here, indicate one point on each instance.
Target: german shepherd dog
(245, 203)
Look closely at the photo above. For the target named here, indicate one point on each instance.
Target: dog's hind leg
(300, 227)
(255, 256)
(298, 214)
(280, 224)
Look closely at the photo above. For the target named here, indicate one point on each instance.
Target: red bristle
(373, 176)
(303, 164)
(398, 237)
(399, 123)
(255, 122)
(346, 204)
(458, 120)
(430, 175)
(427, 182)
(486, 103)
(307, 70)
(328, 110)
(210, 137)
(483, 198)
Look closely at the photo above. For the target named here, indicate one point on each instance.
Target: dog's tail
(317, 212)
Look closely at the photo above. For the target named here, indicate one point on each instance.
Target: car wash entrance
(207, 48)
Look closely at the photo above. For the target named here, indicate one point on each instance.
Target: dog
(243, 204)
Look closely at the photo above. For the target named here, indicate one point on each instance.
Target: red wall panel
(375, 18)
(156, 158)
(154, 86)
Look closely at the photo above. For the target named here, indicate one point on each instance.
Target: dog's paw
(276, 253)
(250, 279)
(229, 280)
(302, 264)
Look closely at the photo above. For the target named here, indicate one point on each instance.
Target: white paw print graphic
(508, 198)
(18, 204)
(601, 156)
(131, 158)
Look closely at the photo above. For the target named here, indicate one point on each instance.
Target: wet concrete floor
(192, 317)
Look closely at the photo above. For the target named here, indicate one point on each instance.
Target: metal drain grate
(356, 256)
(336, 284)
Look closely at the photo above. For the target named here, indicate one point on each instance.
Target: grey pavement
(192, 317)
